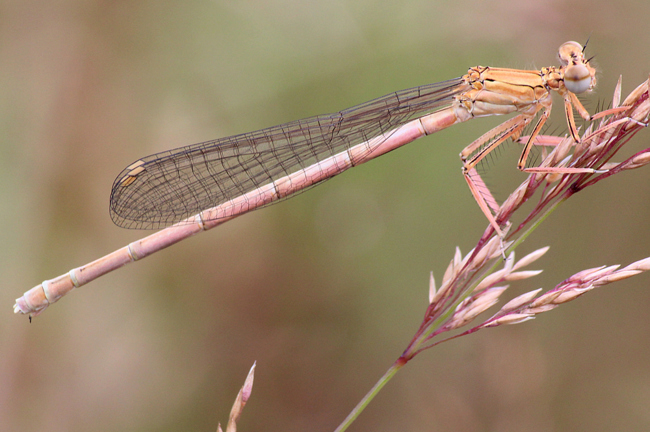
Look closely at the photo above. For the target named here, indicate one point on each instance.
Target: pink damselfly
(198, 187)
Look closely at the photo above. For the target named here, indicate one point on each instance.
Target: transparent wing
(167, 187)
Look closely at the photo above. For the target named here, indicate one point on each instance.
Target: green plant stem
(363, 403)
(536, 224)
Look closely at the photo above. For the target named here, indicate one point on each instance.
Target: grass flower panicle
(474, 283)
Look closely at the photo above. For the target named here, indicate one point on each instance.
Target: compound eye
(577, 79)
(569, 52)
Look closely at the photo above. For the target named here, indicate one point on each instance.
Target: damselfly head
(579, 76)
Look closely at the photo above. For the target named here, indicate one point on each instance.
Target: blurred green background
(324, 290)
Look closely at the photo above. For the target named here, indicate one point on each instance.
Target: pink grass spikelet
(520, 300)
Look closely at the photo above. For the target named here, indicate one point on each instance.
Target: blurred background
(325, 290)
